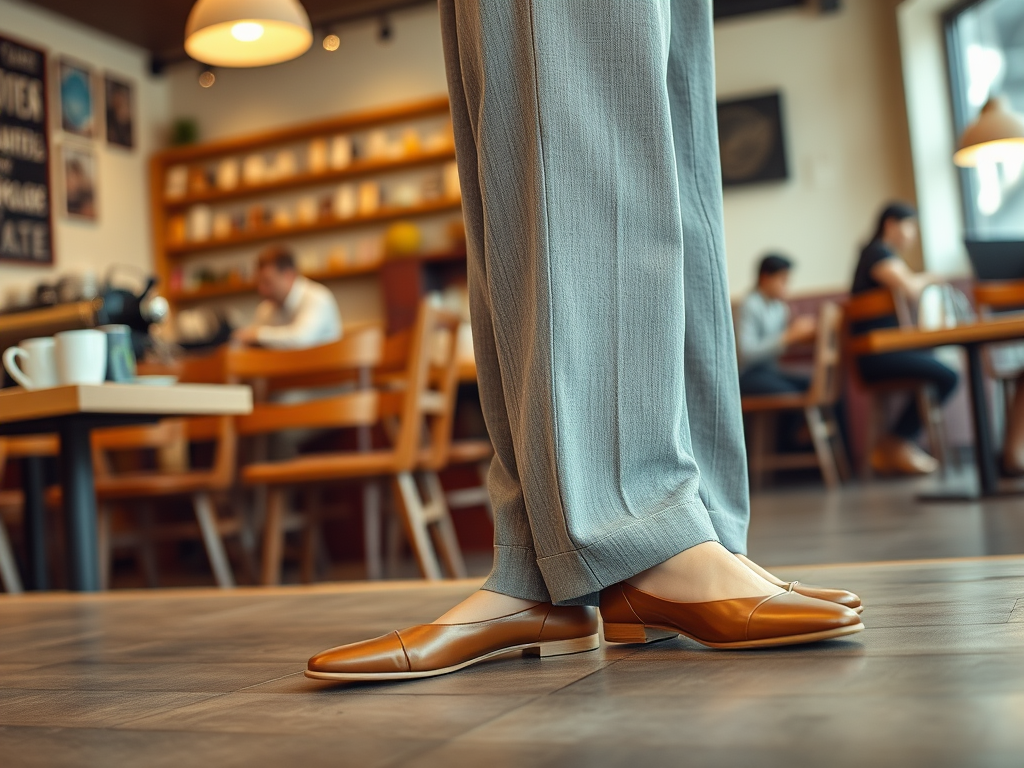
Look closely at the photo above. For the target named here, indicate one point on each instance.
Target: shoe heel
(564, 647)
(635, 633)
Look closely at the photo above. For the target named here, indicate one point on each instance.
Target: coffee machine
(139, 311)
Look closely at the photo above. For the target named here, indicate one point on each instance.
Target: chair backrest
(880, 302)
(171, 438)
(999, 295)
(353, 357)
(826, 381)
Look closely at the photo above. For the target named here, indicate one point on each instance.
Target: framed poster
(79, 166)
(77, 105)
(26, 232)
(118, 101)
(751, 142)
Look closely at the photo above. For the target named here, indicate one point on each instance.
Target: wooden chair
(411, 395)
(136, 490)
(479, 454)
(871, 305)
(992, 297)
(12, 500)
(818, 406)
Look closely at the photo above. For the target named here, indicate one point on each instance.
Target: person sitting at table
(881, 266)
(764, 331)
(296, 312)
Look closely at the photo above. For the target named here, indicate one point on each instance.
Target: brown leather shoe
(437, 649)
(893, 456)
(633, 616)
(838, 596)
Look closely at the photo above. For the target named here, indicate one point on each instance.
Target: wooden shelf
(235, 288)
(353, 170)
(325, 225)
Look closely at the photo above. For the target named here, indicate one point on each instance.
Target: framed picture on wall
(119, 103)
(77, 103)
(751, 140)
(79, 173)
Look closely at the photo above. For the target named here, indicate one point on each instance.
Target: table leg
(79, 492)
(984, 457)
(37, 562)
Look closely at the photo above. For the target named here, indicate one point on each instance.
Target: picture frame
(77, 98)
(119, 109)
(751, 140)
(79, 172)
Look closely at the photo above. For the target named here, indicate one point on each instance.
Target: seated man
(764, 330)
(295, 312)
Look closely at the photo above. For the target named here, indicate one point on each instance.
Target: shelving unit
(191, 258)
(273, 233)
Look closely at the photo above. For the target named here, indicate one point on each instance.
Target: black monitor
(997, 259)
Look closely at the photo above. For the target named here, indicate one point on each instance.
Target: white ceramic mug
(38, 369)
(81, 357)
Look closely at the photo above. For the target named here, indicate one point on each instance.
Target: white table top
(17, 404)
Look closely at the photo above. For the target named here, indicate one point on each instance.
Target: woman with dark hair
(881, 266)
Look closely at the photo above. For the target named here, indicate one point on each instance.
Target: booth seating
(818, 405)
(868, 306)
(135, 491)
(993, 297)
(404, 384)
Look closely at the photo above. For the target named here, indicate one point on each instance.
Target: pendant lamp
(997, 135)
(247, 33)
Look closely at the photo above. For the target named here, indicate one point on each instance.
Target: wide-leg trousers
(587, 146)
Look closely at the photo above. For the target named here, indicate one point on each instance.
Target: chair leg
(206, 516)
(8, 566)
(838, 446)
(273, 537)
(931, 416)
(440, 518)
(103, 544)
(822, 446)
(372, 530)
(410, 507)
(147, 545)
(871, 431)
(758, 449)
(311, 535)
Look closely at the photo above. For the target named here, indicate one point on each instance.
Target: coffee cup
(120, 354)
(81, 356)
(38, 368)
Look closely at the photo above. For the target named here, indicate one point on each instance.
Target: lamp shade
(996, 135)
(247, 33)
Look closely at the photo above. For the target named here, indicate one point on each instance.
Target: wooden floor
(200, 677)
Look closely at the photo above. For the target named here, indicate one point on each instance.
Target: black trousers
(922, 366)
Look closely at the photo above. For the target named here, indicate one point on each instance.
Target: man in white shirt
(296, 312)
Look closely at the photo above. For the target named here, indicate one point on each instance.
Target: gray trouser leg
(606, 362)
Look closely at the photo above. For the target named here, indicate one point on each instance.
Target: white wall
(122, 234)
(846, 131)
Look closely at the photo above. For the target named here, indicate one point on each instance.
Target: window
(985, 45)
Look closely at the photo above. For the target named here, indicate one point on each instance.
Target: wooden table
(972, 337)
(73, 412)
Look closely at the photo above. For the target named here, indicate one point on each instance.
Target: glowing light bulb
(247, 31)
(332, 42)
